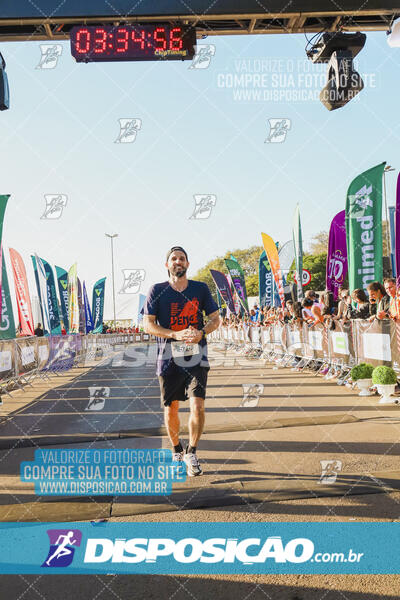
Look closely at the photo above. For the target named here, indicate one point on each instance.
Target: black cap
(176, 248)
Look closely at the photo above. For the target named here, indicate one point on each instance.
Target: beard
(179, 271)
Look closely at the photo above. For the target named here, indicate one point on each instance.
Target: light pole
(386, 170)
(112, 236)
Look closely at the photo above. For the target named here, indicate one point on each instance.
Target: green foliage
(316, 264)
(252, 285)
(384, 376)
(362, 371)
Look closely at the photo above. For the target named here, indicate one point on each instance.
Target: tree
(252, 285)
(385, 236)
(316, 264)
(319, 245)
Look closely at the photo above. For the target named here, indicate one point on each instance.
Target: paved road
(266, 447)
(66, 410)
(261, 457)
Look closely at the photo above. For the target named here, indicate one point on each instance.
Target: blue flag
(88, 314)
(266, 279)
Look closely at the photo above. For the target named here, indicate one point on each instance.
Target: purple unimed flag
(397, 235)
(336, 262)
(224, 289)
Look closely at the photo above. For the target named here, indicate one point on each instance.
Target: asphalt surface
(67, 410)
(261, 457)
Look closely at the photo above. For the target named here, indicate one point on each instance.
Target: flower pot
(386, 391)
(364, 385)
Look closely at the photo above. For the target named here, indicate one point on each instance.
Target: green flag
(298, 251)
(98, 305)
(364, 228)
(7, 324)
(237, 276)
(3, 205)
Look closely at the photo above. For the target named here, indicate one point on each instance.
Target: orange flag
(273, 257)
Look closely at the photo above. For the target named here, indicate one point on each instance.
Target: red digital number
(82, 43)
(122, 39)
(175, 39)
(100, 40)
(139, 39)
(160, 39)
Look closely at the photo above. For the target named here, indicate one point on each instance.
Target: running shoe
(177, 457)
(192, 465)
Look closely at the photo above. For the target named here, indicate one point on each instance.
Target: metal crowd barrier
(349, 343)
(23, 359)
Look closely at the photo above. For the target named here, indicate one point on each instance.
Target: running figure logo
(251, 394)
(203, 56)
(62, 542)
(132, 280)
(49, 56)
(329, 471)
(55, 204)
(278, 129)
(203, 205)
(360, 201)
(128, 129)
(97, 397)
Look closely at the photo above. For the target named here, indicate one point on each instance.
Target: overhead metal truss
(25, 29)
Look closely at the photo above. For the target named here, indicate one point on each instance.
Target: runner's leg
(196, 420)
(171, 419)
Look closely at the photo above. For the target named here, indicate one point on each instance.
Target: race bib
(180, 349)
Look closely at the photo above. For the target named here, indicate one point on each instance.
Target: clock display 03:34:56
(132, 42)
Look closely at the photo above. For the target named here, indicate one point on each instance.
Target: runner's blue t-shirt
(178, 310)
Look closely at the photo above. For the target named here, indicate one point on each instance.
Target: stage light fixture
(4, 89)
(338, 50)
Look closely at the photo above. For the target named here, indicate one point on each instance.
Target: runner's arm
(150, 326)
(213, 322)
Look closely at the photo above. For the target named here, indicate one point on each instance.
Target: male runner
(62, 549)
(173, 311)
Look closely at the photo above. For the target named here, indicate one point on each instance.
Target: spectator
(316, 312)
(39, 331)
(391, 290)
(288, 314)
(253, 316)
(306, 310)
(363, 307)
(310, 295)
(344, 306)
(328, 304)
(256, 310)
(297, 316)
(379, 300)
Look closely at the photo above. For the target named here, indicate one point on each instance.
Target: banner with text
(364, 228)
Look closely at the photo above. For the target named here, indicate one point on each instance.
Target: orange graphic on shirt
(189, 315)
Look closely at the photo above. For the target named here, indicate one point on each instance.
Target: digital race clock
(132, 42)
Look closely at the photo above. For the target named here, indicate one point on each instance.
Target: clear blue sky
(58, 137)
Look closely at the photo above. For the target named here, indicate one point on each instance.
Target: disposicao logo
(190, 550)
(62, 547)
